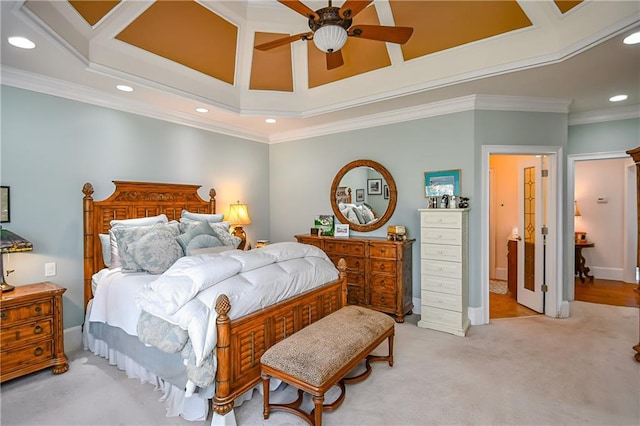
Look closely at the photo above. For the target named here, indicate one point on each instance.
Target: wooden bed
(240, 342)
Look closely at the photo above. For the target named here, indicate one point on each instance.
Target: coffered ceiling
(179, 55)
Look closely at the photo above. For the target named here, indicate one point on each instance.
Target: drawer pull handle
(382, 299)
(382, 267)
(4, 315)
(38, 351)
(382, 284)
(37, 330)
(439, 300)
(358, 263)
(38, 309)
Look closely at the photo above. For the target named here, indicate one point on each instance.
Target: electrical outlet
(49, 269)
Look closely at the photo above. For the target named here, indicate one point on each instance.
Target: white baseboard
(417, 304)
(607, 273)
(73, 339)
(501, 274)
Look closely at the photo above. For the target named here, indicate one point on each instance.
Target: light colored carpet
(498, 287)
(521, 371)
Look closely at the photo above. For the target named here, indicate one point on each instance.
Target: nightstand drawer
(33, 354)
(30, 311)
(442, 252)
(344, 247)
(26, 332)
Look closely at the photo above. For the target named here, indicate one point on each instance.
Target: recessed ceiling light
(21, 42)
(632, 39)
(124, 88)
(618, 98)
(270, 120)
(202, 110)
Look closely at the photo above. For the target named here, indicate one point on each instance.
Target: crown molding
(611, 114)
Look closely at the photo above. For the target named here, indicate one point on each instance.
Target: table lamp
(238, 216)
(10, 243)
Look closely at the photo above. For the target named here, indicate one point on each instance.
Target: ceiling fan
(330, 27)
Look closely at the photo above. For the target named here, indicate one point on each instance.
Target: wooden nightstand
(31, 329)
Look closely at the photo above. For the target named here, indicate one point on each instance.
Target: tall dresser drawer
(441, 269)
(344, 247)
(442, 317)
(441, 236)
(382, 282)
(385, 266)
(441, 284)
(26, 332)
(385, 300)
(442, 252)
(382, 250)
(33, 310)
(442, 300)
(436, 219)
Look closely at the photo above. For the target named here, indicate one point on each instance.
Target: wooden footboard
(242, 342)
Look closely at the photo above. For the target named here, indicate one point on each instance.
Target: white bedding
(186, 293)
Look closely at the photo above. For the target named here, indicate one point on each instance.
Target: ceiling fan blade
(282, 41)
(301, 8)
(334, 60)
(351, 8)
(381, 33)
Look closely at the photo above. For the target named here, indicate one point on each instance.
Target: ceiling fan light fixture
(330, 38)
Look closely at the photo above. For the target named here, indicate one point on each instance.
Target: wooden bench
(319, 357)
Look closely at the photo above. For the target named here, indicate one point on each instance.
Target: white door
(531, 222)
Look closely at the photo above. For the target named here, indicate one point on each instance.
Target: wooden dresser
(443, 265)
(379, 272)
(31, 329)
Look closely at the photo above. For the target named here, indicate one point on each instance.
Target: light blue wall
(52, 146)
(620, 135)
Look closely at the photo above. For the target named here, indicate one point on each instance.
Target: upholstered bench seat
(318, 357)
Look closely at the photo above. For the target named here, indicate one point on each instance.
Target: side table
(581, 269)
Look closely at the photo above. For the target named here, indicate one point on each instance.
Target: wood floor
(599, 291)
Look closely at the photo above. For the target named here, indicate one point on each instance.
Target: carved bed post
(87, 222)
(221, 403)
(212, 200)
(635, 154)
(342, 267)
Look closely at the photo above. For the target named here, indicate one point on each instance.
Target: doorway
(554, 305)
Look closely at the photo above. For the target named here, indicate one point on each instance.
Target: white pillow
(202, 216)
(141, 221)
(106, 249)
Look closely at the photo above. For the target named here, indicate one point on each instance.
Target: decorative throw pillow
(156, 250)
(202, 241)
(222, 232)
(141, 221)
(200, 228)
(126, 236)
(358, 211)
(105, 243)
(202, 216)
(367, 214)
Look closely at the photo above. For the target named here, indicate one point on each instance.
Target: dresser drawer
(382, 282)
(441, 269)
(382, 250)
(442, 284)
(38, 352)
(311, 241)
(438, 219)
(355, 295)
(355, 248)
(355, 278)
(383, 266)
(442, 317)
(441, 252)
(451, 302)
(353, 263)
(30, 311)
(26, 332)
(383, 299)
(441, 236)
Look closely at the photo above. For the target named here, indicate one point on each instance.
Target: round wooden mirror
(363, 195)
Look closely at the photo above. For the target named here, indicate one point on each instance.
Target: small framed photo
(386, 192)
(5, 207)
(374, 186)
(342, 230)
(359, 195)
(443, 182)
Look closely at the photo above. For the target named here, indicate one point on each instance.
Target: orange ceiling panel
(271, 70)
(189, 34)
(93, 11)
(360, 55)
(567, 5)
(440, 25)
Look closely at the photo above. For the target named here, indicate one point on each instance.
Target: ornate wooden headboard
(132, 200)
(343, 195)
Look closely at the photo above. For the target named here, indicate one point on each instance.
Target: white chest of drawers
(443, 266)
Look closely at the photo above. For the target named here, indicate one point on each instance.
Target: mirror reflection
(363, 195)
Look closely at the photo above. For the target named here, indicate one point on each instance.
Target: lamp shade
(13, 243)
(576, 210)
(330, 38)
(238, 214)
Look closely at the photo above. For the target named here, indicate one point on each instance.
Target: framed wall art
(443, 182)
(386, 192)
(5, 207)
(359, 195)
(374, 186)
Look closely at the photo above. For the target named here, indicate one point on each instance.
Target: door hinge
(545, 288)
(545, 173)
(545, 230)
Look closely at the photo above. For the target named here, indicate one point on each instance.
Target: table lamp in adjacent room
(581, 236)
(10, 243)
(239, 216)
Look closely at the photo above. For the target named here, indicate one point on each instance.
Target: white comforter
(186, 293)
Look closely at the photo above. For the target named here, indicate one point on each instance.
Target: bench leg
(388, 358)
(318, 401)
(265, 392)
